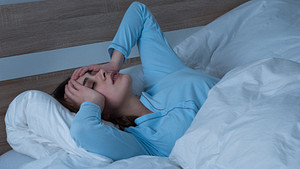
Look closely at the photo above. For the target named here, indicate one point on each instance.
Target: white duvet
(251, 119)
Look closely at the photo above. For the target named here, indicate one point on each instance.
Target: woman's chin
(128, 78)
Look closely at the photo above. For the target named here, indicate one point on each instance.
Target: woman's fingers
(83, 70)
(68, 94)
(72, 89)
(78, 94)
(73, 93)
(96, 68)
(79, 72)
(75, 74)
(75, 84)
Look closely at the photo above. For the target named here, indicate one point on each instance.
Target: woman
(173, 94)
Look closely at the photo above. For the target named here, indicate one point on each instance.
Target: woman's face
(113, 86)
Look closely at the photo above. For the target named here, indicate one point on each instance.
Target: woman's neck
(133, 107)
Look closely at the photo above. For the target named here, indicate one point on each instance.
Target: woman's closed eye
(89, 83)
(93, 86)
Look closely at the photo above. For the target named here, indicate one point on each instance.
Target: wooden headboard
(53, 24)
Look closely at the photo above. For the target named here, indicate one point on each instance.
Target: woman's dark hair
(59, 92)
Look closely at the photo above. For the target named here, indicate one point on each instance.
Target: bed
(251, 118)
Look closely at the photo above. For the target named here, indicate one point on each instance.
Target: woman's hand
(114, 65)
(110, 67)
(77, 94)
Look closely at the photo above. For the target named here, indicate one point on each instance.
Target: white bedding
(8, 160)
(258, 29)
(251, 118)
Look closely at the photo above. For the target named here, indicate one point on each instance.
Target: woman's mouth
(114, 76)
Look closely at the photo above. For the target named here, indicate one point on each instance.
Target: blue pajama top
(173, 92)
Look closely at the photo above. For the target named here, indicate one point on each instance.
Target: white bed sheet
(8, 161)
(13, 160)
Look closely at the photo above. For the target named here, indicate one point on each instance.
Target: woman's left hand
(114, 65)
(111, 67)
(77, 94)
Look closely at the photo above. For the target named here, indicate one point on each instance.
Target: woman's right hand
(78, 94)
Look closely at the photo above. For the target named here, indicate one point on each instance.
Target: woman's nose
(102, 74)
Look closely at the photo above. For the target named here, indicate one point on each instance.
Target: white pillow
(137, 75)
(256, 30)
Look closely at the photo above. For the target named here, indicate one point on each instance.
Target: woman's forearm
(90, 133)
(129, 31)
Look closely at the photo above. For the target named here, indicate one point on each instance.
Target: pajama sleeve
(139, 27)
(91, 134)
(129, 30)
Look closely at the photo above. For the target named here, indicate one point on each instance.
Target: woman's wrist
(117, 59)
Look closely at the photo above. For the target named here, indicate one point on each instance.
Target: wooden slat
(52, 24)
(4, 146)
